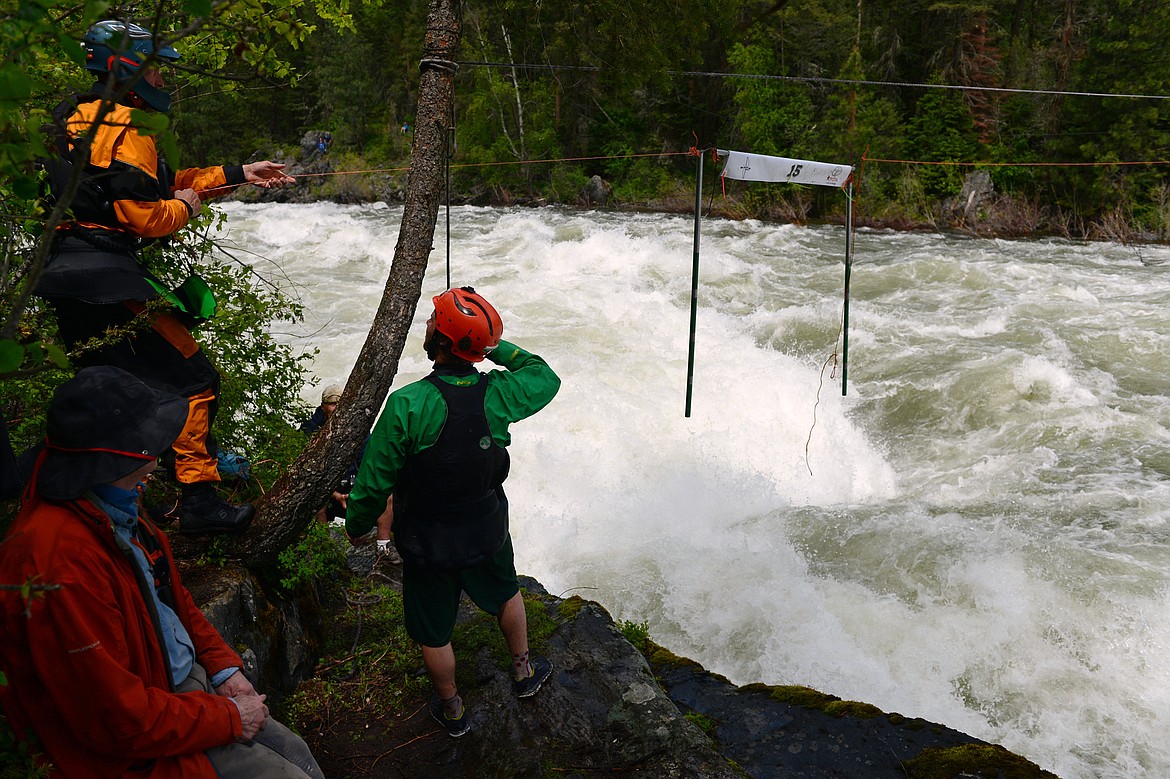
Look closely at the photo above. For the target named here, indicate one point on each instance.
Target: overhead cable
(822, 80)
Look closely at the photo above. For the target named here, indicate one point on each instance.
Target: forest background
(830, 80)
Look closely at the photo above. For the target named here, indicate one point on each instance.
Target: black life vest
(93, 264)
(94, 200)
(450, 511)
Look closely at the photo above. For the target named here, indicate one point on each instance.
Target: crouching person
(110, 665)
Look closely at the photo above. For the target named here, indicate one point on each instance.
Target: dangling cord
(447, 175)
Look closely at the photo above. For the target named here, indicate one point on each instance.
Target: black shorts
(430, 599)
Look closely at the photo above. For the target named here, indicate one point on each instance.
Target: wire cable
(824, 80)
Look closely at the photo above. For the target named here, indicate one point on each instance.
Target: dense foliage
(835, 80)
(238, 40)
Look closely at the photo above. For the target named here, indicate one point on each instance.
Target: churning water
(978, 534)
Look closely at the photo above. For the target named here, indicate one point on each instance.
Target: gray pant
(275, 753)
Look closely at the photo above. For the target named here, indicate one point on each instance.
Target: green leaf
(170, 149)
(58, 356)
(14, 84)
(25, 187)
(199, 7)
(149, 122)
(94, 10)
(73, 49)
(11, 355)
(35, 354)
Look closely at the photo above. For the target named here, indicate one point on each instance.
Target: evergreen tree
(1125, 53)
(773, 117)
(856, 122)
(941, 130)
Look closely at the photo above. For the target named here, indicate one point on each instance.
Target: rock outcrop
(278, 639)
(609, 711)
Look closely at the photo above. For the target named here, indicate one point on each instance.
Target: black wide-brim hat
(104, 424)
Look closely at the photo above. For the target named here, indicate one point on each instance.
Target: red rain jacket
(85, 665)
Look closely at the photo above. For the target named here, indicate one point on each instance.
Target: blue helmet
(121, 48)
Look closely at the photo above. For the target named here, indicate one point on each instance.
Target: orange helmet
(472, 324)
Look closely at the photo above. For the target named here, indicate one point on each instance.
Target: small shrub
(315, 556)
(637, 633)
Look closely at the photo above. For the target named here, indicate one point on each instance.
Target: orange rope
(473, 165)
(572, 159)
(347, 172)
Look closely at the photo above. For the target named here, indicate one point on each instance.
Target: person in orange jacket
(128, 197)
(109, 662)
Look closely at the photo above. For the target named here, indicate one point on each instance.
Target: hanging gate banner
(761, 167)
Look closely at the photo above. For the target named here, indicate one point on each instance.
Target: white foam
(978, 534)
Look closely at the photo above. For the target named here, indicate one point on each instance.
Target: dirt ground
(370, 719)
(406, 743)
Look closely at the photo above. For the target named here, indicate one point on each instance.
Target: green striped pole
(694, 286)
(848, 268)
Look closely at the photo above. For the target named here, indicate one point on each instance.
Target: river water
(977, 534)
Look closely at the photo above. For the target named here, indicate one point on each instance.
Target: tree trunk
(289, 506)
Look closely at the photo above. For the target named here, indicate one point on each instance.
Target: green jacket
(414, 417)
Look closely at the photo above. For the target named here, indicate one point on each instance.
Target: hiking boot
(203, 513)
(541, 669)
(454, 727)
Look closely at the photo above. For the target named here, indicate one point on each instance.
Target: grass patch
(372, 677)
(570, 606)
(702, 722)
(661, 656)
(483, 632)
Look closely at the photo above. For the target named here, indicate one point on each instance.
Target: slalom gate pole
(848, 268)
(694, 286)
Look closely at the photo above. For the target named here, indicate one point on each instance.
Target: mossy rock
(808, 698)
(661, 656)
(983, 760)
(571, 606)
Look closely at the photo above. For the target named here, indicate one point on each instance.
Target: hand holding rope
(266, 174)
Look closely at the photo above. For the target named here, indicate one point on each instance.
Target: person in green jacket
(439, 451)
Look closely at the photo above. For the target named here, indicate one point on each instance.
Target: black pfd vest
(450, 511)
(94, 200)
(94, 264)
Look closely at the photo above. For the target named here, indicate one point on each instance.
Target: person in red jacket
(112, 669)
(125, 198)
